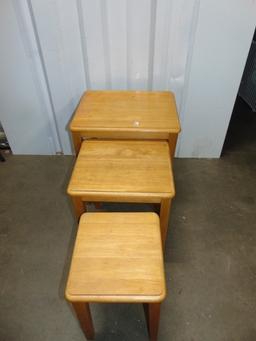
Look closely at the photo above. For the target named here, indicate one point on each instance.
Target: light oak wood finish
(164, 216)
(123, 171)
(79, 206)
(126, 115)
(117, 258)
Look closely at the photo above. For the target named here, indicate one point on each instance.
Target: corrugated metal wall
(105, 44)
(52, 50)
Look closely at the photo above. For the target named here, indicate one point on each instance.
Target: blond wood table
(132, 115)
(117, 258)
(123, 171)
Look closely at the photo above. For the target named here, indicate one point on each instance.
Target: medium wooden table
(132, 115)
(123, 171)
(117, 258)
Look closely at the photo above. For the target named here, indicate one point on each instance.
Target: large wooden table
(132, 115)
(123, 171)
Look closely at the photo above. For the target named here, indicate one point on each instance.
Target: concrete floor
(210, 254)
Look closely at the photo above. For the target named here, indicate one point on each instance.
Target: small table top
(123, 167)
(145, 111)
(117, 258)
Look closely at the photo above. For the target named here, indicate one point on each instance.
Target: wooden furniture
(132, 115)
(123, 171)
(117, 258)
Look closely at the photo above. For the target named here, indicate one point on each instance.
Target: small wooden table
(123, 171)
(117, 258)
(132, 115)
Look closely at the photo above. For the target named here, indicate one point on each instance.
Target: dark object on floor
(241, 135)
(4, 145)
(247, 88)
(2, 159)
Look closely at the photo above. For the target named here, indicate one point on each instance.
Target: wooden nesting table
(135, 115)
(123, 171)
(101, 273)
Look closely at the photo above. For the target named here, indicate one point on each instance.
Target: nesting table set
(125, 142)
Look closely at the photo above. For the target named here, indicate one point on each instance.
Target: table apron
(147, 198)
(133, 135)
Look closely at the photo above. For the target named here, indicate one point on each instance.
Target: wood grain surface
(117, 258)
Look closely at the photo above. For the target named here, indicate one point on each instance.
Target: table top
(115, 167)
(145, 111)
(117, 258)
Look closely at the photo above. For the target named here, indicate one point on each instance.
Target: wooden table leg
(164, 218)
(79, 206)
(172, 143)
(77, 140)
(153, 320)
(146, 312)
(84, 316)
(97, 205)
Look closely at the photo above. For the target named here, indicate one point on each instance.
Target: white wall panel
(58, 30)
(25, 112)
(172, 45)
(117, 40)
(138, 28)
(97, 56)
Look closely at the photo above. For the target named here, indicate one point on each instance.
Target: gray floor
(210, 254)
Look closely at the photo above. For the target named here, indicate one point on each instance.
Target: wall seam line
(105, 40)
(128, 45)
(82, 32)
(194, 25)
(152, 34)
(41, 57)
